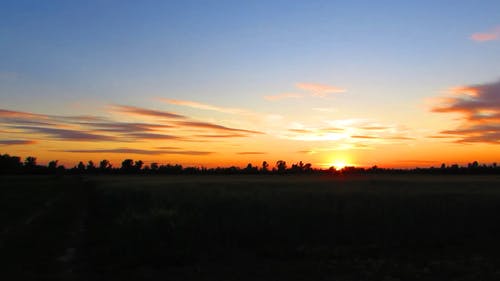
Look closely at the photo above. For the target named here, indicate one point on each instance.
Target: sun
(339, 164)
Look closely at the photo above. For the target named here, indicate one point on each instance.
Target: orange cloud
(220, 136)
(363, 137)
(350, 133)
(203, 106)
(313, 89)
(479, 106)
(319, 90)
(16, 142)
(140, 151)
(152, 136)
(124, 127)
(168, 126)
(283, 96)
(64, 134)
(145, 112)
(491, 35)
(205, 125)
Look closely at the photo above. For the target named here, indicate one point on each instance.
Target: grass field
(251, 227)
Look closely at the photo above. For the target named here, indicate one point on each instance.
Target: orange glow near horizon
(192, 133)
(339, 165)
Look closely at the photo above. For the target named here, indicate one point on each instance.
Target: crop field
(372, 227)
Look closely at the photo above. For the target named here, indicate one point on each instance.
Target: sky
(220, 83)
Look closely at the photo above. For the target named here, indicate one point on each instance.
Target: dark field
(250, 228)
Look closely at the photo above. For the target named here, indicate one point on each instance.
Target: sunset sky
(220, 83)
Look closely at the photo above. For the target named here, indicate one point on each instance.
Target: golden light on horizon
(339, 164)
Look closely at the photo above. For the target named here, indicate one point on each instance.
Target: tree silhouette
(281, 166)
(154, 166)
(127, 165)
(138, 165)
(81, 167)
(14, 165)
(308, 167)
(52, 165)
(10, 163)
(265, 167)
(104, 165)
(90, 166)
(30, 162)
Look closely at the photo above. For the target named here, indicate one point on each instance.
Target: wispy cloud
(479, 108)
(65, 134)
(324, 109)
(206, 125)
(319, 90)
(19, 114)
(162, 126)
(350, 132)
(311, 89)
(251, 153)
(493, 34)
(301, 131)
(124, 127)
(374, 127)
(168, 147)
(440, 137)
(283, 96)
(400, 138)
(204, 106)
(152, 136)
(145, 112)
(16, 142)
(220, 136)
(364, 137)
(140, 151)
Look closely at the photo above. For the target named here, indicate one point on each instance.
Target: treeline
(15, 165)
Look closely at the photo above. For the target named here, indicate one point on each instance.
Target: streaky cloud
(374, 128)
(26, 121)
(479, 108)
(203, 106)
(400, 138)
(283, 96)
(133, 110)
(220, 135)
(20, 114)
(301, 131)
(80, 118)
(440, 137)
(363, 137)
(152, 136)
(65, 134)
(206, 125)
(139, 151)
(319, 90)
(124, 127)
(493, 34)
(17, 142)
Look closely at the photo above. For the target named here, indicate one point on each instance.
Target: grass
(38, 214)
(287, 227)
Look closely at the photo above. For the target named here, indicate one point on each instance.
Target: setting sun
(339, 165)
